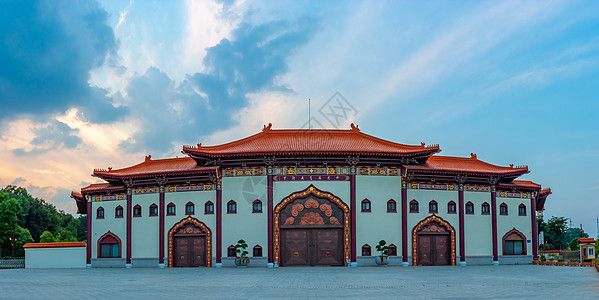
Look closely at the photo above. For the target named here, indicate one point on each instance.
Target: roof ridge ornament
(148, 158)
(267, 127)
(354, 127)
(473, 156)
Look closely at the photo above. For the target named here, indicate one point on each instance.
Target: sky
(98, 84)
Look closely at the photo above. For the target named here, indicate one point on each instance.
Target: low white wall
(64, 257)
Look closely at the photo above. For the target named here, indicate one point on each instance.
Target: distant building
(311, 197)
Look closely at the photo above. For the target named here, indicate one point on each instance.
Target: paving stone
(474, 282)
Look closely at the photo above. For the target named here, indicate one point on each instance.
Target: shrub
(561, 259)
(574, 260)
(587, 260)
(543, 258)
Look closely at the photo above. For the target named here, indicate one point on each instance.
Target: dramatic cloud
(47, 49)
(53, 136)
(247, 63)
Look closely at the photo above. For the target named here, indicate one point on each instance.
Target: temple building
(310, 198)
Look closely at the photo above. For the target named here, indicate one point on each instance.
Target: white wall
(63, 257)
(117, 226)
(513, 220)
(478, 229)
(144, 229)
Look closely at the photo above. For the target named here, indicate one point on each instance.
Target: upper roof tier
(310, 142)
(466, 165)
(150, 168)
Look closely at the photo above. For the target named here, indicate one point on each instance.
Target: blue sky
(91, 84)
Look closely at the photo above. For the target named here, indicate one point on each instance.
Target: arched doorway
(433, 243)
(189, 244)
(311, 228)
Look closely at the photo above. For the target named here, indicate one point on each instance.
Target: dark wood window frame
(451, 207)
(100, 213)
(391, 206)
(190, 208)
(522, 209)
(118, 212)
(469, 208)
(433, 207)
(485, 209)
(414, 207)
(511, 237)
(366, 206)
(503, 209)
(392, 249)
(232, 207)
(209, 208)
(137, 211)
(153, 210)
(109, 238)
(366, 250)
(257, 206)
(257, 251)
(171, 211)
(231, 251)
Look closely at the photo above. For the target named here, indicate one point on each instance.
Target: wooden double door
(434, 249)
(312, 247)
(189, 250)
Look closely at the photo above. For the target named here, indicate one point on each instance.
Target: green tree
(574, 244)
(47, 237)
(555, 232)
(82, 228)
(575, 233)
(10, 211)
(36, 214)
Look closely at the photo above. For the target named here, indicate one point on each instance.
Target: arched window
(392, 250)
(109, 246)
(257, 251)
(514, 243)
(503, 209)
(190, 208)
(257, 208)
(433, 208)
(366, 205)
(231, 251)
(232, 207)
(170, 209)
(469, 208)
(485, 208)
(137, 210)
(118, 212)
(451, 208)
(366, 250)
(153, 210)
(209, 208)
(391, 206)
(414, 206)
(100, 213)
(522, 210)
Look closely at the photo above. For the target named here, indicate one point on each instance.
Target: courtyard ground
(475, 282)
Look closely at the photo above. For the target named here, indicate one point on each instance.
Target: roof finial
(511, 165)
(354, 127)
(148, 158)
(109, 169)
(422, 144)
(199, 145)
(473, 156)
(267, 128)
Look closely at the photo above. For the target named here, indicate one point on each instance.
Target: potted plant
(560, 262)
(543, 260)
(241, 258)
(573, 262)
(587, 262)
(383, 250)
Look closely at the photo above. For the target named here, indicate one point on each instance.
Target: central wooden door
(189, 250)
(433, 249)
(312, 247)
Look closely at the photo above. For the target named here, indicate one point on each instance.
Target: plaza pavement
(473, 282)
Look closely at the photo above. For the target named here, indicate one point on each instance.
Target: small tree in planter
(241, 259)
(383, 250)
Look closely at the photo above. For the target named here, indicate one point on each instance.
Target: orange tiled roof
(76, 196)
(545, 192)
(521, 183)
(181, 165)
(586, 240)
(470, 165)
(99, 187)
(54, 245)
(310, 141)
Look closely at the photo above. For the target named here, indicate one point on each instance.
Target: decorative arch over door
(429, 230)
(312, 208)
(191, 227)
